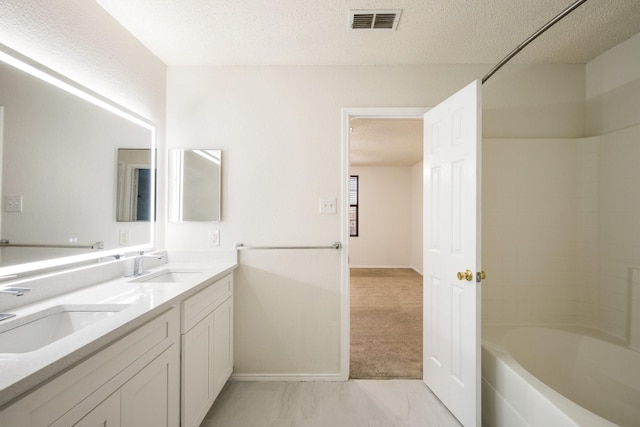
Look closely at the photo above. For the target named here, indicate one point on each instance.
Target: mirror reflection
(57, 157)
(135, 185)
(195, 182)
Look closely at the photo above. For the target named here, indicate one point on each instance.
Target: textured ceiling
(385, 142)
(314, 32)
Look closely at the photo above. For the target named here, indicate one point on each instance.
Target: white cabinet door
(152, 396)
(222, 345)
(197, 372)
(107, 414)
(207, 362)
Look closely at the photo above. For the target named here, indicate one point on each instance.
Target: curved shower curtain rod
(532, 37)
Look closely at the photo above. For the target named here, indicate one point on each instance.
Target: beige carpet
(386, 323)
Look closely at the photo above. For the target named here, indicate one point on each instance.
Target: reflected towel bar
(335, 245)
(6, 243)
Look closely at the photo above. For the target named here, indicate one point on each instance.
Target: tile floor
(355, 403)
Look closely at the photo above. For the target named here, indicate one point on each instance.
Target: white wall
(79, 40)
(280, 132)
(385, 200)
(391, 218)
(613, 88)
(386, 218)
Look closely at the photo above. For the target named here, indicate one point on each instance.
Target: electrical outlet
(125, 237)
(214, 238)
(328, 205)
(13, 203)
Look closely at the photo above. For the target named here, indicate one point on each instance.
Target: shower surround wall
(539, 208)
(613, 111)
(619, 212)
(560, 216)
(560, 229)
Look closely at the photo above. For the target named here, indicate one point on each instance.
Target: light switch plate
(328, 205)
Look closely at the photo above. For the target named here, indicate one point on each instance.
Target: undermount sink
(167, 276)
(45, 327)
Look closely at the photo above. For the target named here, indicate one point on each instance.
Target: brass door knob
(465, 275)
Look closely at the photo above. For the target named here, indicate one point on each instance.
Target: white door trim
(345, 309)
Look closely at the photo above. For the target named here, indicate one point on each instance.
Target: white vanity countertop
(21, 372)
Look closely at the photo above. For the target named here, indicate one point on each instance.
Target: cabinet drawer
(197, 307)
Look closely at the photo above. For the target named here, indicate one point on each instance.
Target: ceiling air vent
(381, 19)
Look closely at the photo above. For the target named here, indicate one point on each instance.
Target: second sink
(167, 276)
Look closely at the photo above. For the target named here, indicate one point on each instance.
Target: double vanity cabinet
(165, 372)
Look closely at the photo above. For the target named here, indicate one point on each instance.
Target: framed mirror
(195, 178)
(58, 152)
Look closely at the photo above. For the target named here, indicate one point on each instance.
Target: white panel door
(452, 153)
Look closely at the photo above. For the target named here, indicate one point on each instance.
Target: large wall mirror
(194, 185)
(59, 146)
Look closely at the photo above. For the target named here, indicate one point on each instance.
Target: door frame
(345, 291)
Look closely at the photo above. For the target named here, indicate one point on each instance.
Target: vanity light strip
(58, 81)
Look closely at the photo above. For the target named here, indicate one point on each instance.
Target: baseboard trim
(287, 377)
(381, 266)
(410, 267)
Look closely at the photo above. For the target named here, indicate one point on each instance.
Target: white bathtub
(543, 376)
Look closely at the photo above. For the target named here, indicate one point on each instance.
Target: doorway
(382, 292)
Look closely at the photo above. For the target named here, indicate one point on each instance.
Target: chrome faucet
(138, 262)
(14, 291)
